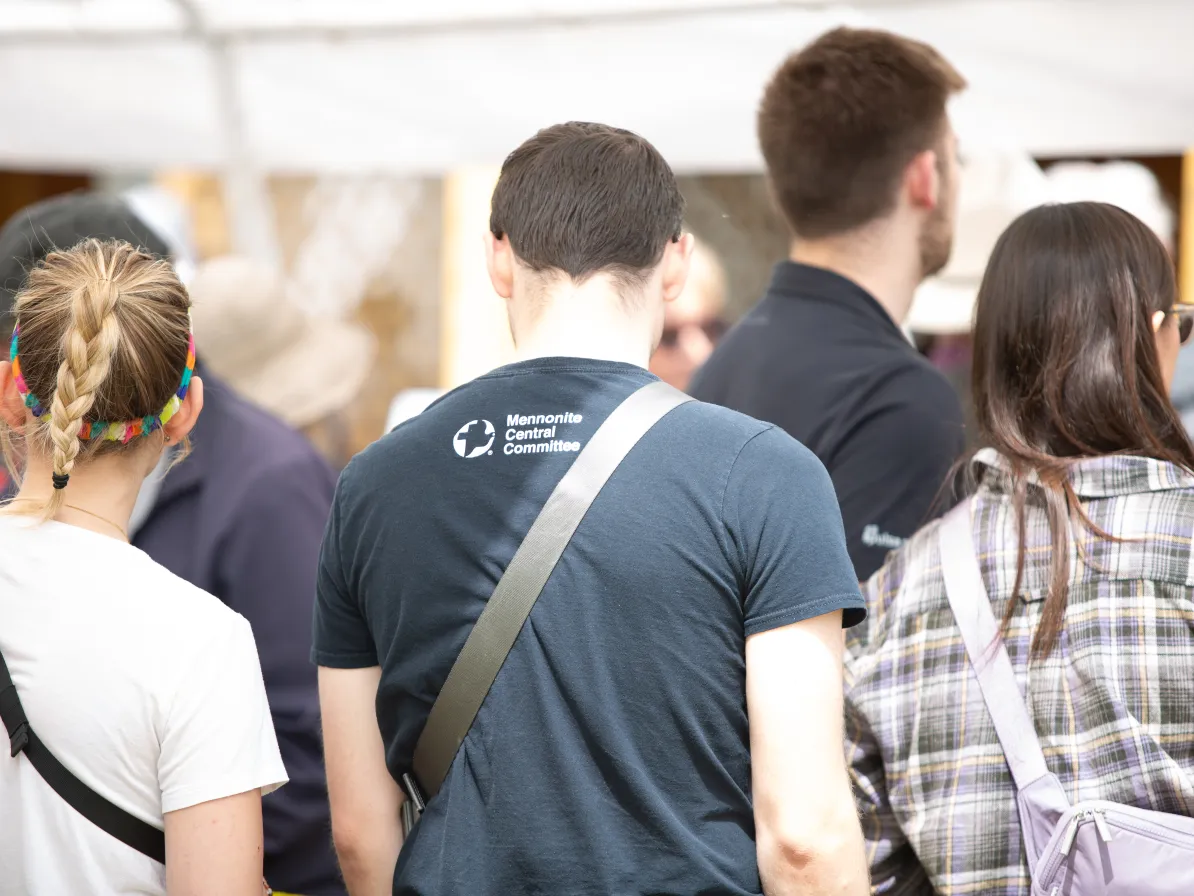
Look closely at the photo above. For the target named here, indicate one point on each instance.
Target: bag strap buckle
(19, 739)
(413, 792)
(413, 805)
(14, 715)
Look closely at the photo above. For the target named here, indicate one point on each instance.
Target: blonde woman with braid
(142, 688)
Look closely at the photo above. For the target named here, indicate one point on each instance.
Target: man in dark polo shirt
(862, 161)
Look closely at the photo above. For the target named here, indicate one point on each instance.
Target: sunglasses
(713, 329)
(1184, 314)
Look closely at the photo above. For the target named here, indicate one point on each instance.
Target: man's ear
(677, 260)
(12, 406)
(922, 181)
(183, 421)
(499, 260)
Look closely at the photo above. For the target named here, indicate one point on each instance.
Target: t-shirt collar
(566, 364)
(805, 281)
(1094, 477)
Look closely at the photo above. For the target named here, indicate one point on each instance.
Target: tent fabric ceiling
(378, 86)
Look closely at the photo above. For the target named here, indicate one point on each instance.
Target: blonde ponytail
(89, 345)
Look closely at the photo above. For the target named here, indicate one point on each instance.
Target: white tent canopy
(406, 87)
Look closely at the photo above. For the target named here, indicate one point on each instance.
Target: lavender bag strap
(972, 607)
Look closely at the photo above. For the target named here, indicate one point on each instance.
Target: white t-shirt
(148, 689)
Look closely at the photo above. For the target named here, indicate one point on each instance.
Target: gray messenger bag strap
(495, 631)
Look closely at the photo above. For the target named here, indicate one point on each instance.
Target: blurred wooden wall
(21, 188)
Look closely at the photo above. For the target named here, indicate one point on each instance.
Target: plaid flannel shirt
(1113, 704)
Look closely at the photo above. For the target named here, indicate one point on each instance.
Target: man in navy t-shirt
(669, 718)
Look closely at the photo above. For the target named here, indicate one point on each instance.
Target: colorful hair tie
(111, 432)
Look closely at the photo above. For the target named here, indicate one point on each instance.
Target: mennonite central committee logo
(474, 438)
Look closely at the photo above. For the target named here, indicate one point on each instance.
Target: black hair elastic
(60, 480)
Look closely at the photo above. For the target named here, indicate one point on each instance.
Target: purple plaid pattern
(1113, 705)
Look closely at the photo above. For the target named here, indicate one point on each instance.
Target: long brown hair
(104, 336)
(1066, 365)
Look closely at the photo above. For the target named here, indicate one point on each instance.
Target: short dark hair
(584, 198)
(840, 121)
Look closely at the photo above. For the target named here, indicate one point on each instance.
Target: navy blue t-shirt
(612, 754)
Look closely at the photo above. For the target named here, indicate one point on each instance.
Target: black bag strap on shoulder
(494, 634)
(128, 829)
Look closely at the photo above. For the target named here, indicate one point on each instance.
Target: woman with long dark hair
(1082, 520)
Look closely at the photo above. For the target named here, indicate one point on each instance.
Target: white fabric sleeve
(219, 736)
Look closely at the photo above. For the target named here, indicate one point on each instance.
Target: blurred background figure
(242, 518)
(306, 371)
(694, 322)
(995, 188)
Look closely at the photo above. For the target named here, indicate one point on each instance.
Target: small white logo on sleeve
(874, 537)
(474, 438)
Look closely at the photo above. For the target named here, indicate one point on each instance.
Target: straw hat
(250, 335)
(995, 189)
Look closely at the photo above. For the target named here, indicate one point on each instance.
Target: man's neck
(887, 271)
(583, 322)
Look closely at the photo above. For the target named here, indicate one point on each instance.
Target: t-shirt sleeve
(341, 636)
(218, 739)
(784, 522)
(891, 475)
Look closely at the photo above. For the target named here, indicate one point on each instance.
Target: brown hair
(1066, 365)
(585, 198)
(841, 120)
(104, 337)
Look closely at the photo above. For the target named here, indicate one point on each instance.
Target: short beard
(936, 243)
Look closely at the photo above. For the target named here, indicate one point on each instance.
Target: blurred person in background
(643, 735)
(1083, 524)
(260, 343)
(694, 322)
(863, 164)
(145, 688)
(241, 518)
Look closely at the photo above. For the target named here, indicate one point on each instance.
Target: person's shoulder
(175, 599)
(916, 384)
(408, 437)
(175, 620)
(404, 448)
(747, 338)
(746, 441)
(184, 634)
(252, 440)
(720, 427)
